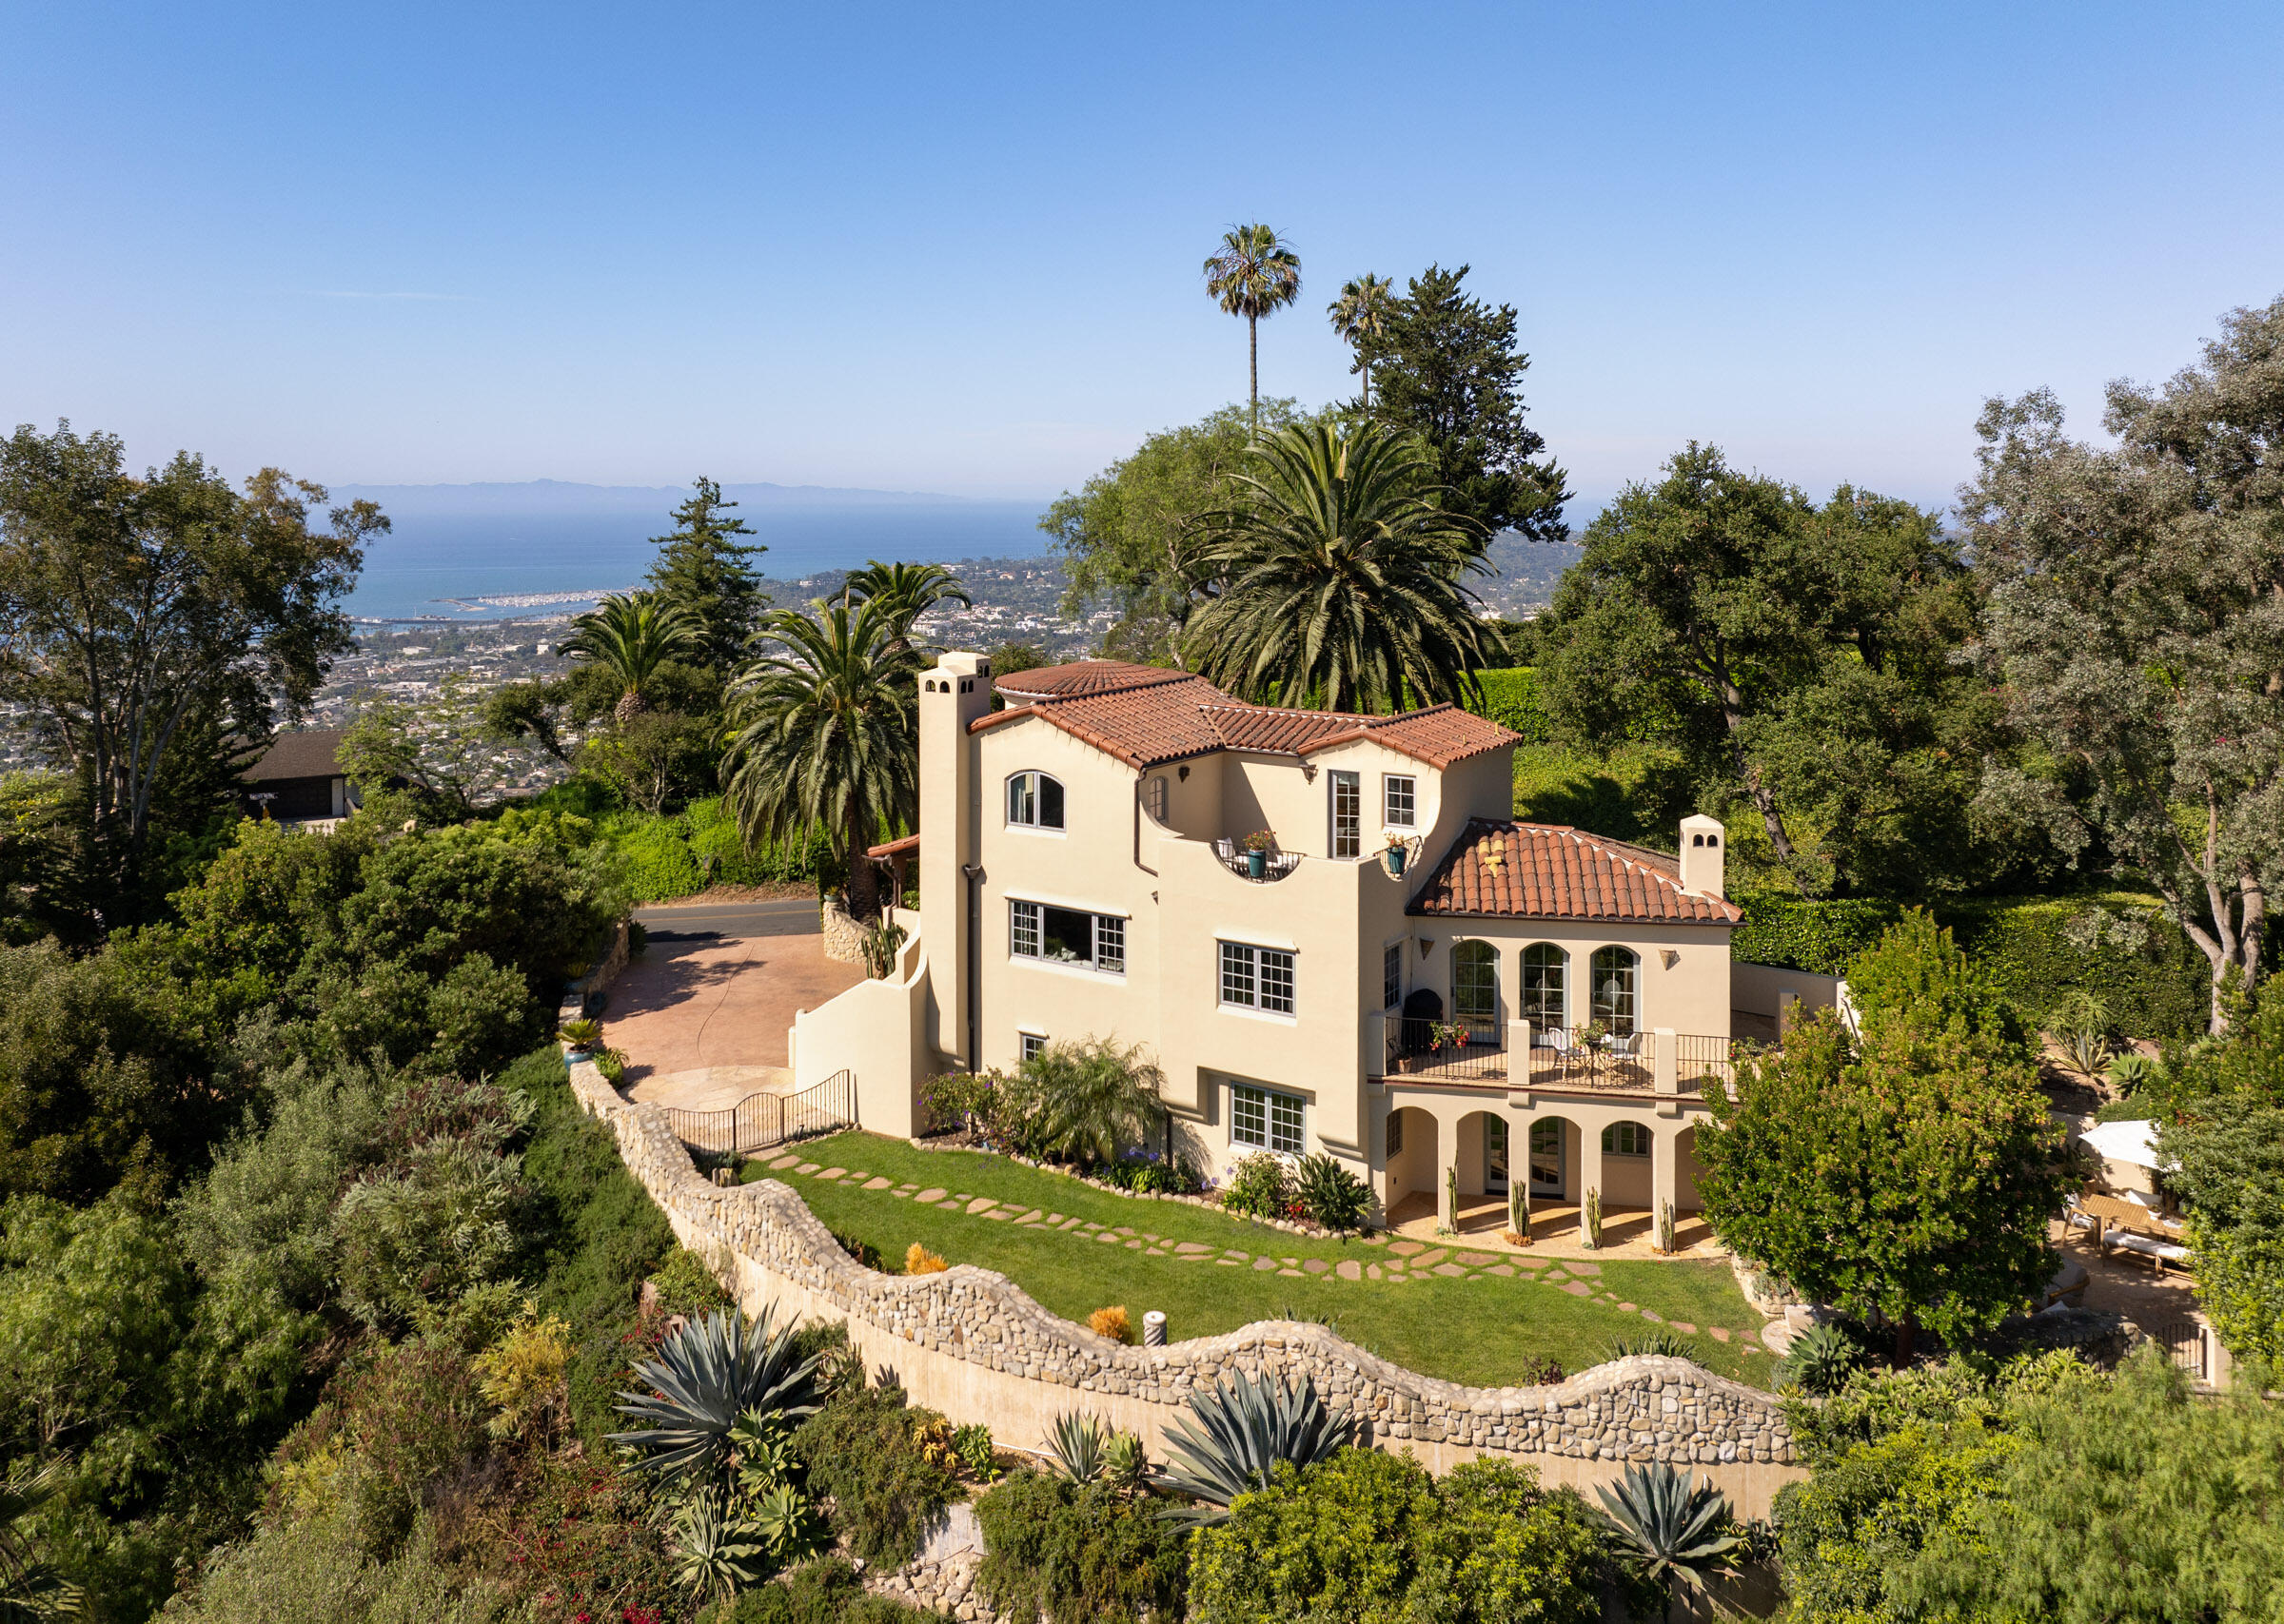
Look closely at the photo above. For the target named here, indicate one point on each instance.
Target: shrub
(1073, 1554)
(1148, 1172)
(1330, 1195)
(1085, 1101)
(704, 1380)
(919, 1259)
(1820, 1360)
(1660, 1344)
(521, 1374)
(823, 1591)
(885, 1494)
(1818, 936)
(416, 1415)
(1511, 697)
(1543, 1370)
(686, 1285)
(1241, 1428)
(2147, 976)
(1260, 1187)
(977, 1455)
(1112, 1322)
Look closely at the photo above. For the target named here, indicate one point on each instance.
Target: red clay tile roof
(1536, 871)
(1085, 676)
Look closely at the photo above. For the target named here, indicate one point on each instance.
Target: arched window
(1475, 983)
(1617, 981)
(1626, 1139)
(1034, 801)
(1545, 970)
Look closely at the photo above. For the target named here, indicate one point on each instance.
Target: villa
(1328, 931)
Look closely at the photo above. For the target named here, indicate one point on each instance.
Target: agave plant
(713, 1549)
(1078, 1443)
(1125, 1461)
(30, 1589)
(707, 1377)
(1820, 1360)
(2130, 1070)
(1668, 1526)
(1244, 1426)
(1663, 1344)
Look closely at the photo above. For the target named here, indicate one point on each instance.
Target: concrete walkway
(1626, 1231)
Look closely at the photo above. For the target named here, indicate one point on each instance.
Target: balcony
(1455, 1052)
(1478, 1053)
(1274, 865)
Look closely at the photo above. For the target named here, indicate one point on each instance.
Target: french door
(1494, 1154)
(1547, 1159)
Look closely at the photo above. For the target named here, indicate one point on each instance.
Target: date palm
(1342, 576)
(30, 1589)
(906, 591)
(822, 735)
(1360, 316)
(631, 635)
(1254, 273)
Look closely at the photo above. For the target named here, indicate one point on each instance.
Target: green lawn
(1483, 1329)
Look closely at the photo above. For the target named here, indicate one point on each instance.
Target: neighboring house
(298, 778)
(1083, 874)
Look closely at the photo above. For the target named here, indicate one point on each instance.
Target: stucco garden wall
(972, 1344)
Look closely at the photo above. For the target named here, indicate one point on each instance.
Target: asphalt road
(792, 917)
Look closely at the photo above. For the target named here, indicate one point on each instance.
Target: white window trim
(1090, 971)
(1388, 778)
(1253, 1011)
(1268, 1094)
(1332, 779)
(1009, 823)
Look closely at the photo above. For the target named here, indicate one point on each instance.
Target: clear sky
(956, 248)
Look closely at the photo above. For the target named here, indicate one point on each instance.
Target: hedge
(1512, 698)
(2145, 972)
(675, 856)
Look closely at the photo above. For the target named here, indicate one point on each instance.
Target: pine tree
(1451, 371)
(702, 570)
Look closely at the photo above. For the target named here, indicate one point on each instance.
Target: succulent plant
(1820, 1360)
(1331, 1194)
(1125, 1461)
(1668, 1526)
(716, 1553)
(1241, 1428)
(1665, 1344)
(1078, 1441)
(707, 1377)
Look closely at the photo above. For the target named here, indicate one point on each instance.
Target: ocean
(455, 552)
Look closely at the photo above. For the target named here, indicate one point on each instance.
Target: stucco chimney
(1702, 856)
(953, 694)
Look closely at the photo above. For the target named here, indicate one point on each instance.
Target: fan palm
(1668, 1526)
(823, 734)
(631, 635)
(705, 1378)
(1341, 575)
(29, 1589)
(1244, 1426)
(1253, 274)
(905, 592)
(1087, 1102)
(1360, 316)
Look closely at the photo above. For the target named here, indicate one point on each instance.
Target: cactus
(1590, 1220)
(1518, 1210)
(1665, 1226)
(1450, 1201)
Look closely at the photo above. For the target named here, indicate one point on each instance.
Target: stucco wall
(1763, 989)
(968, 1342)
(878, 1030)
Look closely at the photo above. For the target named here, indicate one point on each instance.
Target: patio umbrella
(2130, 1142)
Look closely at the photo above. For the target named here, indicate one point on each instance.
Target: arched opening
(1616, 977)
(1475, 986)
(1410, 1179)
(1034, 801)
(1546, 975)
(1685, 1198)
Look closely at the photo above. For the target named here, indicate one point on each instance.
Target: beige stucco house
(1408, 980)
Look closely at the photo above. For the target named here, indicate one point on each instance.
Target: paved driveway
(703, 1016)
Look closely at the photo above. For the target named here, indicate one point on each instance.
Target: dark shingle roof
(1535, 871)
(312, 754)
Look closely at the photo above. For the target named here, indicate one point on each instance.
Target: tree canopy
(702, 569)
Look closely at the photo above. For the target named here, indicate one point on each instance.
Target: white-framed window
(1067, 936)
(1265, 1120)
(1626, 1139)
(1399, 800)
(1256, 978)
(1348, 814)
(1034, 801)
(1153, 797)
(1391, 975)
(1033, 1044)
(1545, 966)
(1475, 983)
(1616, 986)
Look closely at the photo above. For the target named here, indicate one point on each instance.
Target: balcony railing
(1465, 1051)
(1274, 865)
(1628, 1063)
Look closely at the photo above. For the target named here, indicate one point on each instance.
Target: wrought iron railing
(1456, 1051)
(1559, 1061)
(759, 1120)
(1274, 865)
(2187, 1343)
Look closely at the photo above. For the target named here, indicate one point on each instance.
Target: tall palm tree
(905, 592)
(631, 637)
(1342, 576)
(1360, 316)
(30, 1589)
(823, 734)
(1253, 274)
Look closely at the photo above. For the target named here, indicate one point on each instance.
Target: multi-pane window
(1034, 801)
(1616, 976)
(1348, 814)
(1034, 1045)
(1544, 968)
(1395, 1134)
(1402, 799)
(1475, 983)
(1153, 796)
(1391, 975)
(1626, 1139)
(1067, 936)
(1265, 1120)
(1256, 978)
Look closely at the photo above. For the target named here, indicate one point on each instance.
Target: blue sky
(956, 247)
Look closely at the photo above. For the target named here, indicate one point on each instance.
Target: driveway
(703, 1016)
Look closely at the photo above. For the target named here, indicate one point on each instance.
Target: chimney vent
(1703, 859)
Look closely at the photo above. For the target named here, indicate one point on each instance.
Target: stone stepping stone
(1505, 1269)
(1607, 1297)
(1149, 1237)
(1404, 1248)
(1058, 1218)
(1581, 1268)
(908, 1188)
(1653, 1318)
(928, 1198)
(1372, 1271)
(1122, 1229)
(833, 1173)
(1291, 1262)
(1031, 1216)
(1228, 1262)
(1351, 1269)
(1429, 1260)
(1293, 1273)
(1265, 1262)
(860, 1175)
(1155, 1252)
(1684, 1327)
(1001, 1214)
(1197, 1258)
(1136, 1245)
(980, 1203)
(902, 1195)
(1577, 1288)
(879, 1184)
(1317, 1266)
(806, 1168)
(1452, 1271)
(1107, 1239)
(1186, 1247)
(1627, 1308)
(783, 1162)
(1374, 1239)
(1474, 1260)
(1067, 1224)
(1528, 1262)
(1719, 1333)
(1235, 1256)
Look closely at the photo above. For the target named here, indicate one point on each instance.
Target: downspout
(973, 979)
(1140, 784)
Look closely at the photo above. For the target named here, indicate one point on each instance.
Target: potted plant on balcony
(1395, 855)
(1258, 844)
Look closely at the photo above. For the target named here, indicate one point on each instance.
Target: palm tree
(30, 1589)
(631, 637)
(1342, 576)
(1360, 316)
(1085, 1101)
(1252, 274)
(823, 734)
(906, 591)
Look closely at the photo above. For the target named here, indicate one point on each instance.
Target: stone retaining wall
(972, 1344)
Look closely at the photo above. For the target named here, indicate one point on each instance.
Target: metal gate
(759, 1120)
(2187, 1343)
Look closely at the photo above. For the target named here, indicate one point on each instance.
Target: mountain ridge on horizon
(563, 495)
